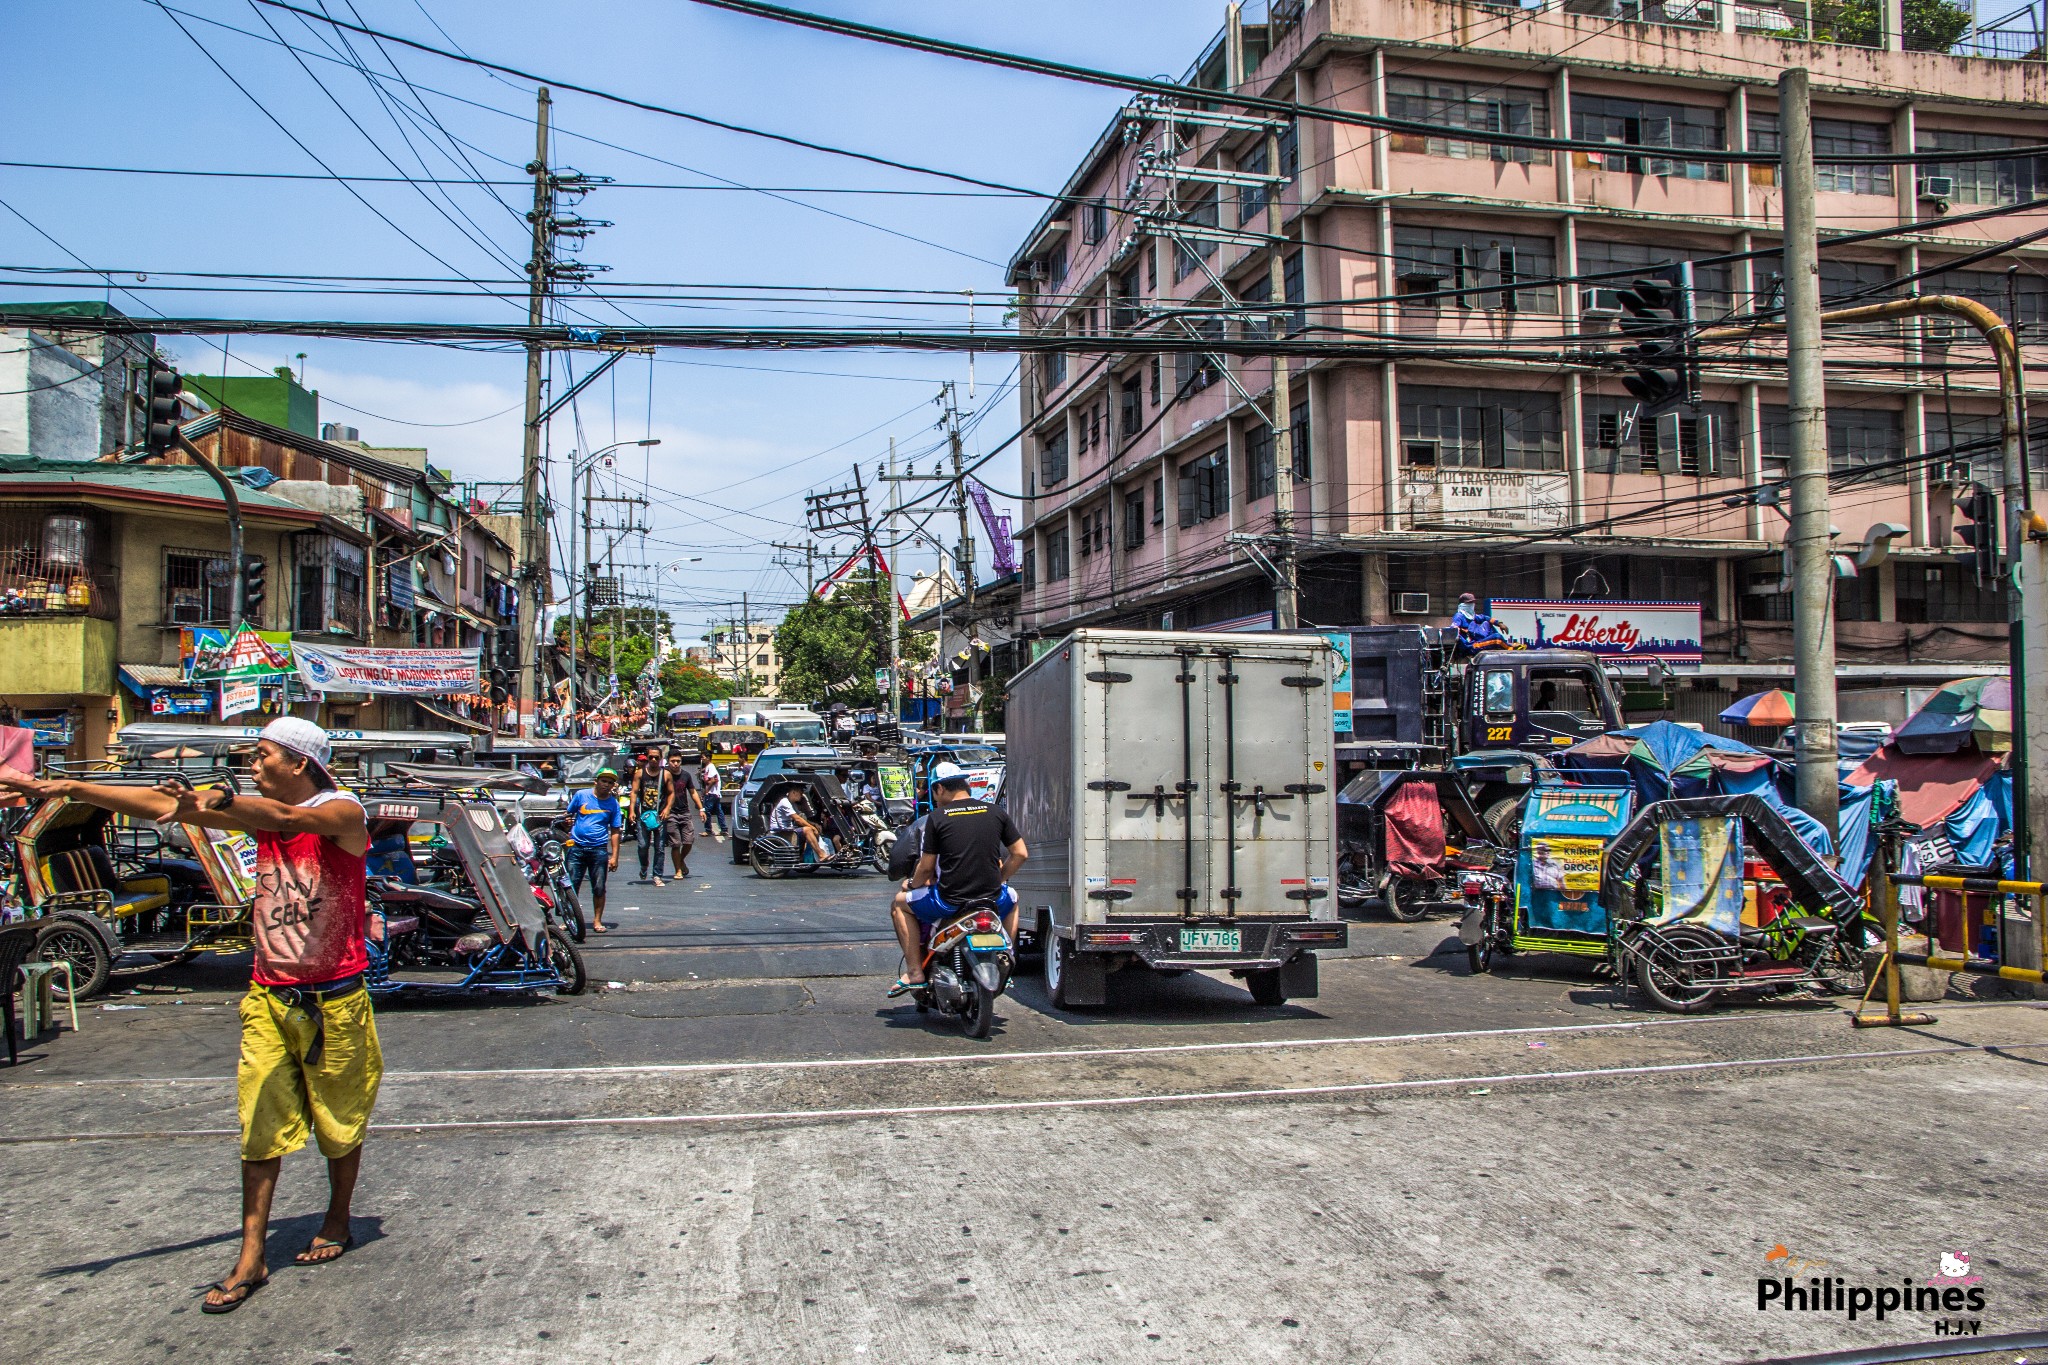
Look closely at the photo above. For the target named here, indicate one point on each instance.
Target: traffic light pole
(228, 496)
(1813, 570)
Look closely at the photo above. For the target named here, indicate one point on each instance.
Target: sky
(119, 84)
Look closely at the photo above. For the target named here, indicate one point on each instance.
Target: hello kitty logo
(1955, 1269)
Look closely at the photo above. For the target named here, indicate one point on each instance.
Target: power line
(1259, 104)
(504, 184)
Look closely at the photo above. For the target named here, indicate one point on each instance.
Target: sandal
(311, 1255)
(903, 987)
(247, 1292)
(600, 928)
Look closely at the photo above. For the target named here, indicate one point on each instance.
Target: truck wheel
(1059, 956)
(1265, 987)
(1504, 819)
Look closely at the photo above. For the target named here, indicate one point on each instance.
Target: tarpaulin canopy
(1775, 707)
(1664, 759)
(1931, 786)
(1415, 831)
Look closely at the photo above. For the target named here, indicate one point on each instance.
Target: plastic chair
(39, 995)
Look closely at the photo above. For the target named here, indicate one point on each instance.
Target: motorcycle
(1489, 897)
(851, 839)
(883, 837)
(424, 928)
(548, 871)
(1354, 875)
(968, 961)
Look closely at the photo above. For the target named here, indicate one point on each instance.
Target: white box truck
(1176, 792)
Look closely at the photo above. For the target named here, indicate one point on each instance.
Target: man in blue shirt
(594, 824)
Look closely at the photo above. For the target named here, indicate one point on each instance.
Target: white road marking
(1104, 1102)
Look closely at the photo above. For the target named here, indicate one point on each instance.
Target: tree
(1931, 25)
(685, 682)
(831, 647)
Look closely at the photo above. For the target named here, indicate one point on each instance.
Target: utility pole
(1813, 569)
(533, 552)
(966, 559)
(895, 697)
(1286, 593)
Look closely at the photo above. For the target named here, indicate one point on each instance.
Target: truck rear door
(1273, 793)
(1147, 804)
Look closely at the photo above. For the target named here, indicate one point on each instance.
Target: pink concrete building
(1515, 467)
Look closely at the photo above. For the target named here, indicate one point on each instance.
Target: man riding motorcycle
(970, 851)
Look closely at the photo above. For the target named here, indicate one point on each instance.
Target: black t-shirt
(971, 839)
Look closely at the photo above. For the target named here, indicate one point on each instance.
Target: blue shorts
(594, 863)
(926, 905)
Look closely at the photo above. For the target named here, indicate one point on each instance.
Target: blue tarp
(1854, 822)
(1761, 783)
(1972, 829)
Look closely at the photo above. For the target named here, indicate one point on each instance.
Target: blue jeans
(594, 863)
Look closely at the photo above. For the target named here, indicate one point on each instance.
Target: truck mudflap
(1237, 945)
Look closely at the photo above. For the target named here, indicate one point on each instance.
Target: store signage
(237, 697)
(391, 672)
(1340, 691)
(1614, 632)
(179, 701)
(246, 654)
(1485, 498)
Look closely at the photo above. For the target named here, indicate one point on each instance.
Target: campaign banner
(245, 654)
(1614, 632)
(390, 672)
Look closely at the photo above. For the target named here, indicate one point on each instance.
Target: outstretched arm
(144, 803)
(341, 821)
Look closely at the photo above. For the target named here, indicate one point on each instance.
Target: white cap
(301, 737)
(949, 774)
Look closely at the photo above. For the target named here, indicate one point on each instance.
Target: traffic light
(1976, 525)
(162, 431)
(1658, 315)
(253, 588)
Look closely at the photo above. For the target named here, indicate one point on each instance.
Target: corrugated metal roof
(135, 480)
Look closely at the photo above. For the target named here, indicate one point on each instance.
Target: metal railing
(1886, 887)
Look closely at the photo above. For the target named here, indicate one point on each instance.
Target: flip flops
(247, 1291)
(903, 987)
(340, 1249)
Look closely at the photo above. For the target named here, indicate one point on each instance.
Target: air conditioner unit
(1937, 187)
(1600, 301)
(1411, 603)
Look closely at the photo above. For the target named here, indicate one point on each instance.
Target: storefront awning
(141, 677)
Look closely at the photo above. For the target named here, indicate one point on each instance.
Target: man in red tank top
(310, 1057)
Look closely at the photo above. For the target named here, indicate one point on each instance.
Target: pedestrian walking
(682, 807)
(595, 822)
(647, 802)
(310, 1061)
(714, 799)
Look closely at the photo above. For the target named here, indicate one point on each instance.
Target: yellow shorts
(280, 1097)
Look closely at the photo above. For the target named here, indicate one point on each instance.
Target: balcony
(56, 656)
(1946, 27)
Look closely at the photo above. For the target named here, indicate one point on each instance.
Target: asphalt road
(745, 1153)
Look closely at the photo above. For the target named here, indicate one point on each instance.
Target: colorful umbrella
(1956, 713)
(1772, 708)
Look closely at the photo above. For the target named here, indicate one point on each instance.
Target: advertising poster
(390, 672)
(246, 654)
(1613, 632)
(1340, 692)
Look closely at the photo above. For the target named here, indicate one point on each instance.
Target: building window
(1205, 488)
(1130, 407)
(1029, 569)
(1299, 434)
(1982, 182)
(1988, 288)
(1712, 285)
(1056, 556)
(198, 589)
(1126, 303)
(1056, 266)
(1190, 251)
(1290, 151)
(1159, 501)
(1253, 199)
(1151, 267)
(1094, 221)
(1052, 457)
(761, 660)
(1866, 439)
(1134, 518)
(1703, 444)
(1946, 592)
(329, 588)
(1257, 291)
(1055, 363)
(1194, 371)
(1480, 429)
(1468, 107)
(1665, 128)
(1428, 259)
(1831, 137)
(1258, 461)
(1294, 284)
